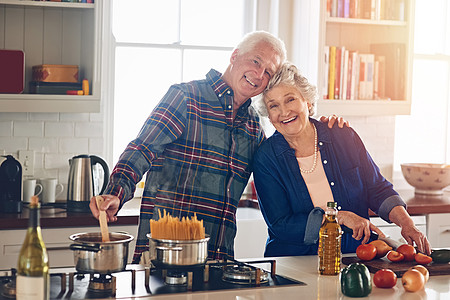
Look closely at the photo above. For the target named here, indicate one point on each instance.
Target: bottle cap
(332, 204)
(34, 201)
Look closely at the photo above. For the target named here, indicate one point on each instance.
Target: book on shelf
(395, 68)
(367, 9)
(354, 74)
(358, 75)
(379, 78)
(344, 75)
(326, 68)
(331, 72)
(366, 63)
(337, 71)
(354, 9)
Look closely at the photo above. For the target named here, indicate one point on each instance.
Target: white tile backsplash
(43, 116)
(95, 145)
(74, 145)
(54, 138)
(59, 129)
(80, 117)
(12, 144)
(6, 128)
(28, 129)
(90, 129)
(13, 116)
(56, 161)
(44, 145)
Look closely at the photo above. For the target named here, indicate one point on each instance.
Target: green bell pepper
(356, 280)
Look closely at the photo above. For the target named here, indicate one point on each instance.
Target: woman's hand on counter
(110, 205)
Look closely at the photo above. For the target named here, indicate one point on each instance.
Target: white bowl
(427, 178)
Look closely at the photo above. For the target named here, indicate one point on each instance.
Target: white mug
(29, 189)
(50, 187)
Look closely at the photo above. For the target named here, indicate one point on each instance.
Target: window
(423, 135)
(159, 43)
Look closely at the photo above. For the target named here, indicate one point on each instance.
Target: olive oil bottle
(32, 281)
(330, 242)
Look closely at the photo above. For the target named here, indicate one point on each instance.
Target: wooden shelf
(363, 107)
(48, 4)
(54, 33)
(366, 21)
(48, 103)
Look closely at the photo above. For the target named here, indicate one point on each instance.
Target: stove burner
(9, 288)
(176, 278)
(101, 283)
(242, 274)
(139, 281)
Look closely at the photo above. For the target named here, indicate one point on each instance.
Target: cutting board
(398, 267)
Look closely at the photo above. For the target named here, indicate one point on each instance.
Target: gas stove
(141, 281)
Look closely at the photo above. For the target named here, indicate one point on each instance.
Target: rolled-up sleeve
(388, 205)
(313, 224)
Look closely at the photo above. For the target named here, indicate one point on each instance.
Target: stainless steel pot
(178, 252)
(91, 255)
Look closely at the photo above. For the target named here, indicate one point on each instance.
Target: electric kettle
(84, 181)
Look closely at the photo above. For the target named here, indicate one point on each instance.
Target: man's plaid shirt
(197, 157)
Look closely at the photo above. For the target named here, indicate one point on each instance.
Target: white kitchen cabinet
(57, 242)
(53, 33)
(438, 232)
(356, 35)
(394, 232)
(251, 236)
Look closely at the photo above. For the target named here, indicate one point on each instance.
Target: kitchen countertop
(304, 268)
(57, 217)
(418, 204)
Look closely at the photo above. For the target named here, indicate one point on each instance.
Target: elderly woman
(305, 164)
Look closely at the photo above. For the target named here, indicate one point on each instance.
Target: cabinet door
(438, 230)
(394, 232)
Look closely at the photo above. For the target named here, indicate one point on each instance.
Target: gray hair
(288, 74)
(250, 40)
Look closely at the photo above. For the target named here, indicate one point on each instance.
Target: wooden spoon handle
(102, 219)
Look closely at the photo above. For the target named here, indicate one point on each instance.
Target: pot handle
(169, 248)
(84, 247)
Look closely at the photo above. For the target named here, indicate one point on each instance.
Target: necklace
(315, 154)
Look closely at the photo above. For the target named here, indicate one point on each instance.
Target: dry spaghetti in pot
(173, 228)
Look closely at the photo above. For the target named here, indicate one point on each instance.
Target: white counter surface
(304, 268)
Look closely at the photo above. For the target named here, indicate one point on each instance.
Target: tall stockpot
(178, 252)
(91, 255)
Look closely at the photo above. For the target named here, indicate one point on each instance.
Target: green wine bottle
(32, 281)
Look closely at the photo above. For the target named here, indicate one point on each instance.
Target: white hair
(250, 40)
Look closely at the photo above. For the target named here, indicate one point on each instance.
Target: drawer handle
(57, 248)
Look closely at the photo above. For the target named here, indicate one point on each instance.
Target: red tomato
(395, 256)
(422, 258)
(408, 251)
(366, 252)
(385, 278)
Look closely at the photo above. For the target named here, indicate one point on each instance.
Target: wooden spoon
(102, 219)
